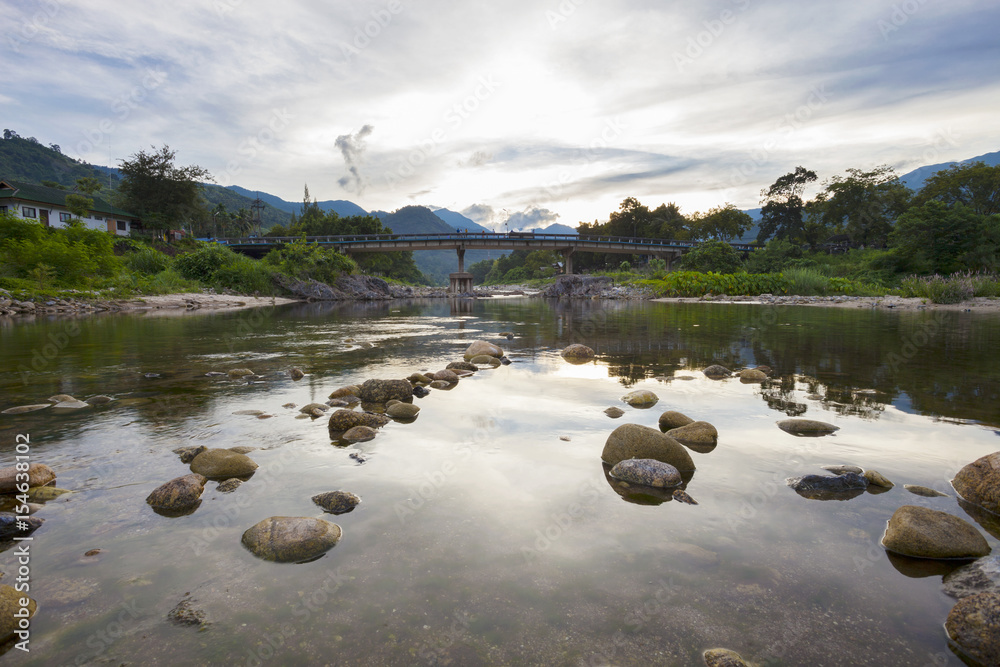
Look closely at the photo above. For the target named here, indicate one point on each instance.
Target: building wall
(58, 217)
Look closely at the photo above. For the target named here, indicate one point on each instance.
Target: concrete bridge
(566, 244)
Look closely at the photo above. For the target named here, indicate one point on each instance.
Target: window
(65, 217)
(122, 226)
(3, 209)
(98, 218)
(28, 212)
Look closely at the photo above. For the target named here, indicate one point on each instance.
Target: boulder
(344, 420)
(296, 374)
(403, 411)
(485, 360)
(577, 353)
(482, 348)
(633, 441)
(39, 474)
(641, 398)
(285, 539)
(308, 409)
(350, 390)
(696, 433)
(752, 375)
(614, 412)
(973, 626)
(806, 427)
(380, 391)
(648, 472)
(717, 372)
(10, 604)
(982, 576)
(462, 366)
(925, 533)
(337, 502)
(448, 376)
(359, 434)
(181, 495)
(222, 464)
(420, 379)
(21, 409)
(979, 482)
(671, 419)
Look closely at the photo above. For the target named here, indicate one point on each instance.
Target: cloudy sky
(545, 109)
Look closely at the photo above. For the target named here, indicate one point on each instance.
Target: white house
(48, 206)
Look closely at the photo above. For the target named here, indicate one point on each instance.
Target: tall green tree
(781, 214)
(936, 238)
(864, 204)
(88, 185)
(976, 185)
(721, 223)
(163, 195)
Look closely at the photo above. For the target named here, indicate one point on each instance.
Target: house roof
(42, 194)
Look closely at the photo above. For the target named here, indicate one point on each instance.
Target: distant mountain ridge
(341, 207)
(916, 179)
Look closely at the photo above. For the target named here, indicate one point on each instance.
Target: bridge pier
(460, 283)
(568, 261)
(461, 259)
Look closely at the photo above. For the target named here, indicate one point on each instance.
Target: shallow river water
(488, 532)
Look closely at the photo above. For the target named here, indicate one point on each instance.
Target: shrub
(147, 260)
(203, 263)
(955, 288)
(310, 260)
(714, 256)
(693, 283)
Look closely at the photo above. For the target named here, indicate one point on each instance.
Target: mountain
(233, 201)
(916, 179)
(555, 228)
(459, 221)
(29, 161)
(342, 207)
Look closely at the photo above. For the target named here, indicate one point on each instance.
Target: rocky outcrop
(285, 539)
(925, 533)
(348, 287)
(577, 286)
(633, 441)
(979, 482)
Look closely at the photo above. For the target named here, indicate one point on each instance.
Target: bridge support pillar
(460, 283)
(568, 261)
(461, 259)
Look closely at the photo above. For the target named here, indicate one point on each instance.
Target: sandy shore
(198, 301)
(979, 304)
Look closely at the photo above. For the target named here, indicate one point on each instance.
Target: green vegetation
(162, 195)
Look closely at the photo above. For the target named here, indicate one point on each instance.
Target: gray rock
(14, 525)
(876, 478)
(982, 576)
(380, 391)
(344, 392)
(344, 420)
(827, 487)
(337, 502)
(614, 412)
(717, 372)
(484, 360)
(310, 407)
(236, 373)
(633, 441)
(296, 374)
(222, 464)
(71, 406)
(681, 496)
(286, 539)
(672, 419)
(359, 434)
(187, 454)
(925, 533)
(752, 375)
(99, 400)
(462, 366)
(972, 627)
(924, 491)
(648, 472)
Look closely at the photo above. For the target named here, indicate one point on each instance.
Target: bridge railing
(571, 239)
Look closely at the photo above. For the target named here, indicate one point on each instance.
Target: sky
(542, 111)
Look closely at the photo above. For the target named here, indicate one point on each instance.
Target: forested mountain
(918, 177)
(339, 206)
(29, 161)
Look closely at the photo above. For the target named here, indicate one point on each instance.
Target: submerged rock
(337, 502)
(100, 399)
(972, 626)
(359, 434)
(311, 408)
(633, 441)
(681, 496)
(10, 604)
(187, 454)
(648, 472)
(806, 427)
(484, 360)
(237, 373)
(926, 533)
(462, 366)
(448, 376)
(286, 539)
(641, 398)
(71, 406)
(982, 576)
(482, 348)
(380, 391)
(22, 409)
(924, 491)
(979, 482)
(722, 657)
(18, 525)
(841, 469)
(179, 495)
(229, 485)
(39, 474)
(672, 419)
(61, 398)
(296, 374)
(222, 464)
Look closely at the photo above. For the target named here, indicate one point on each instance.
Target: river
(488, 532)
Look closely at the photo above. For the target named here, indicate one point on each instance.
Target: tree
(976, 185)
(937, 239)
(164, 196)
(712, 256)
(864, 205)
(721, 223)
(88, 185)
(79, 205)
(781, 215)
